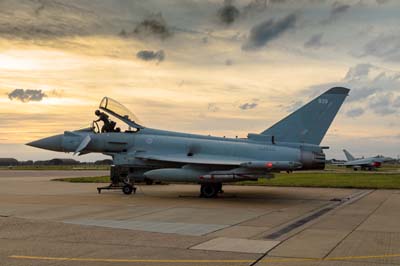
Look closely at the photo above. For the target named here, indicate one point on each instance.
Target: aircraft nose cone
(53, 143)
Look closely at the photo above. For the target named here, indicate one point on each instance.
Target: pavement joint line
(277, 260)
(283, 224)
(360, 223)
(236, 224)
(347, 200)
(315, 214)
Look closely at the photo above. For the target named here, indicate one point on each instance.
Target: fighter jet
(370, 163)
(141, 152)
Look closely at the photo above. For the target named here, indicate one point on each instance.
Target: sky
(225, 68)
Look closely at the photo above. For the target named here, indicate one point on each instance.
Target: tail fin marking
(310, 123)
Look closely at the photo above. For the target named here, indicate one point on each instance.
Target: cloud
(228, 62)
(213, 107)
(256, 6)
(358, 72)
(386, 47)
(383, 104)
(365, 80)
(148, 55)
(315, 41)
(62, 18)
(26, 95)
(382, 2)
(337, 10)
(294, 106)
(355, 112)
(261, 34)
(396, 102)
(154, 26)
(228, 13)
(248, 106)
(40, 8)
(56, 93)
(372, 87)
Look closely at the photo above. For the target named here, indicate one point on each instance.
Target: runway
(44, 222)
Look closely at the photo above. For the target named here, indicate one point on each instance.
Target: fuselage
(124, 145)
(366, 163)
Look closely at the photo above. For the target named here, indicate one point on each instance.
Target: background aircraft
(370, 163)
(146, 153)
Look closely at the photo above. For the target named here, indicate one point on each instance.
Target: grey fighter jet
(152, 154)
(370, 163)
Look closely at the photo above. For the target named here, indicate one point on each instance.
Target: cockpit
(104, 124)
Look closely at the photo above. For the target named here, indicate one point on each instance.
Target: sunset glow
(77, 53)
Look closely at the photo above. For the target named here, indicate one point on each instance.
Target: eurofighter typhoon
(142, 153)
(370, 163)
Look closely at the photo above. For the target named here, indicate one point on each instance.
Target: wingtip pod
(338, 90)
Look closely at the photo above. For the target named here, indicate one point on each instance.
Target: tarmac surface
(45, 222)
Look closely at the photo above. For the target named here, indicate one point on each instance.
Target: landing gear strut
(119, 180)
(210, 190)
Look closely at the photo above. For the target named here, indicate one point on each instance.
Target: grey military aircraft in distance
(370, 163)
(152, 154)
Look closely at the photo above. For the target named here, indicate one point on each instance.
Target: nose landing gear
(119, 180)
(127, 189)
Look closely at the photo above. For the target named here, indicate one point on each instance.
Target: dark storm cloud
(355, 112)
(153, 26)
(26, 95)
(248, 106)
(315, 41)
(228, 13)
(148, 55)
(261, 34)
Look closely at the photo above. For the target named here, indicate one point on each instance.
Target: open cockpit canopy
(119, 111)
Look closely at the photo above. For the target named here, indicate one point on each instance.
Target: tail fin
(349, 156)
(310, 123)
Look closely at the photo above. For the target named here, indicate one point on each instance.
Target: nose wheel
(127, 189)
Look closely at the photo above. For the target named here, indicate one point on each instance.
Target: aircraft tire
(127, 189)
(209, 190)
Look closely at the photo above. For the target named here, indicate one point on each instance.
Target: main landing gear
(210, 190)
